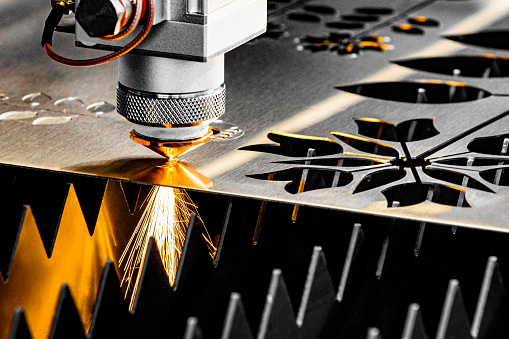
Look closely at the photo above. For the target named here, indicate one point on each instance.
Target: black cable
(54, 17)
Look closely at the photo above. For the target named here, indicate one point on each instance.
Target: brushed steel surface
(272, 87)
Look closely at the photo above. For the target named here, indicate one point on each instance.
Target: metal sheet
(271, 86)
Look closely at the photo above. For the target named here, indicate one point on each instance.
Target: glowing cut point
(165, 218)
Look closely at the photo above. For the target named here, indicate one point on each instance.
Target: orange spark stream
(165, 218)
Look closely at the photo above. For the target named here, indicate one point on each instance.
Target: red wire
(112, 56)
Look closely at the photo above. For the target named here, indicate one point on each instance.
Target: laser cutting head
(171, 85)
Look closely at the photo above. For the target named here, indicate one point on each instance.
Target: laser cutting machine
(354, 180)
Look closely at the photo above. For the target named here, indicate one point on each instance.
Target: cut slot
(408, 29)
(491, 39)
(320, 9)
(336, 161)
(488, 145)
(416, 193)
(477, 161)
(423, 21)
(345, 25)
(304, 17)
(360, 18)
(422, 92)
(478, 66)
(374, 10)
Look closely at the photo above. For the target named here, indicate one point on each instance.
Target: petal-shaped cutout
(379, 178)
(415, 193)
(456, 178)
(378, 129)
(406, 131)
(488, 145)
(499, 177)
(479, 66)
(491, 39)
(416, 129)
(316, 179)
(366, 145)
(296, 145)
(422, 92)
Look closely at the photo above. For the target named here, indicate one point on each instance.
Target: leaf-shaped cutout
(499, 176)
(456, 178)
(488, 145)
(416, 129)
(490, 39)
(416, 193)
(463, 161)
(422, 92)
(379, 178)
(366, 145)
(378, 129)
(479, 66)
(406, 131)
(296, 145)
(316, 179)
(340, 162)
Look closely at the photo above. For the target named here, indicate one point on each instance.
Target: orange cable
(112, 56)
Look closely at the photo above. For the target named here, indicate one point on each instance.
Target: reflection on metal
(173, 173)
(77, 259)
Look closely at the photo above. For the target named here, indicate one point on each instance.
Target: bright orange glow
(455, 83)
(420, 18)
(430, 81)
(405, 27)
(368, 44)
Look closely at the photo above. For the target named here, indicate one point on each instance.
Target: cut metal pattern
(386, 165)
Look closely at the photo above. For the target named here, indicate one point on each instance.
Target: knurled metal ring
(170, 110)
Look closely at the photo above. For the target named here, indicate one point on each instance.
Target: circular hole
(423, 21)
(345, 25)
(320, 9)
(375, 10)
(360, 18)
(303, 17)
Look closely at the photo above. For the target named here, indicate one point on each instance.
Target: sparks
(165, 218)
